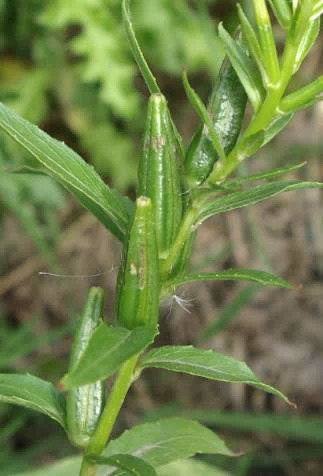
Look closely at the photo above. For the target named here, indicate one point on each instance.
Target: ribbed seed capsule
(159, 176)
(84, 404)
(226, 108)
(138, 279)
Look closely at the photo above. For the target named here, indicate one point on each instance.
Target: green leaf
(303, 97)
(250, 144)
(166, 441)
(132, 465)
(63, 164)
(136, 50)
(266, 175)
(190, 467)
(317, 9)
(142, 64)
(108, 348)
(229, 312)
(252, 41)
(260, 277)
(234, 200)
(71, 466)
(32, 392)
(205, 363)
(275, 127)
(307, 41)
(244, 67)
(282, 12)
(301, 20)
(203, 114)
(65, 467)
(267, 41)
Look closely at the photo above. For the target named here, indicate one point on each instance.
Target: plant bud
(226, 109)
(159, 176)
(84, 404)
(138, 279)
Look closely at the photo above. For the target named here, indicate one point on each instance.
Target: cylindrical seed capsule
(138, 285)
(84, 404)
(159, 176)
(226, 109)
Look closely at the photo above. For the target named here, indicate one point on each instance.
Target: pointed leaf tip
(208, 364)
(108, 348)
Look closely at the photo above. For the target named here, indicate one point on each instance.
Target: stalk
(186, 228)
(87, 468)
(110, 413)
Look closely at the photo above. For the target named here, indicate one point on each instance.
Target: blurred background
(66, 66)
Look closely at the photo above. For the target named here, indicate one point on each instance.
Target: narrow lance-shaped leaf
(275, 127)
(252, 41)
(205, 363)
(142, 64)
(306, 42)
(131, 465)
(209, 207)
(136, 51)
(317, 9)
(64, 165)
(108, 348)
(300, 20)
(267, 41)
(32, 392)
(260, 277)
(266, 175)
(199, 107)
(282, 12)
(166, 441)
(303, 97)
(245, 69)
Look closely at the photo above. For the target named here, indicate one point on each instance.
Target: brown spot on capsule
(158, 142)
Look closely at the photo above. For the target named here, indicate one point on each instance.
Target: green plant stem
(168, 262)
(87, 468)
(111, 410)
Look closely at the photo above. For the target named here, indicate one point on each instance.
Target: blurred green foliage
(68, 63)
